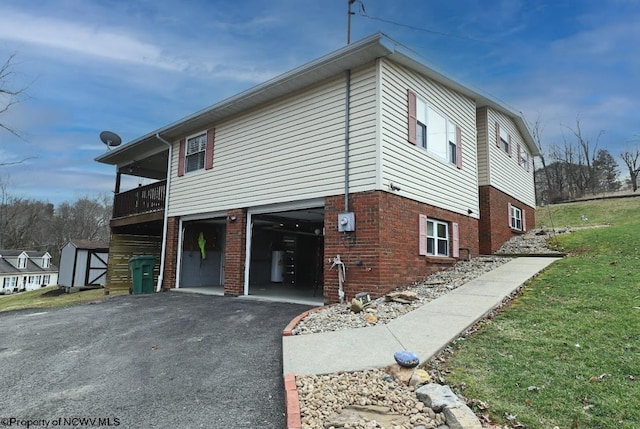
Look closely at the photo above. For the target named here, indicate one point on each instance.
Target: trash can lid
(142, 258)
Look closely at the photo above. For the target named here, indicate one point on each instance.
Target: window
(437, 238)
(9, 282)
(45, 279)
(515, 215)
(436, 133)
(46, 262)
(196, 146)
(524, 159)
(505, 141)
(22, 262)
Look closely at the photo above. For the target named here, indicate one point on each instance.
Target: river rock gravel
(321, 397)
(339, 316)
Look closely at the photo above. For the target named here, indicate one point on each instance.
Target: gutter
(166, 213)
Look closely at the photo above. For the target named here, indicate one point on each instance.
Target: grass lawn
(567, 352)
(49, 297)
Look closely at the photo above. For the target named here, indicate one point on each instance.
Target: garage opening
(287, 253)
(202, 261)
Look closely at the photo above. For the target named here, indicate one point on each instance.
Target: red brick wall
(171, 253)
(235, 252)
(382, 254)
(494, 218)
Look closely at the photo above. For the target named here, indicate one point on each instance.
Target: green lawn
(49, 297)
(567, 352)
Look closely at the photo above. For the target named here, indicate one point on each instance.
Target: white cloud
(83, 39)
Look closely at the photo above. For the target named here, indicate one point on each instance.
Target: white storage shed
(83, 263)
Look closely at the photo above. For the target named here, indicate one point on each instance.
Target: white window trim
(524, 159)
(436, 239)
(515, 217)
(187, 154)
(450, 129)
(505, 141)
(22, 262)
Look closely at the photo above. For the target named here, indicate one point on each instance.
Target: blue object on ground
(406, 359)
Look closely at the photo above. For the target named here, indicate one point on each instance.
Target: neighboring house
(83, 263)
(251, 191)
(22, 270)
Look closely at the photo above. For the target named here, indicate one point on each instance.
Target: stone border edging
(291, 398)
(292, 402)
(288, 330)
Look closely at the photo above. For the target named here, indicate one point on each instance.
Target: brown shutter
(497, 134)
(412, 119)
(510, 149)
(519, 152)
(208, 151)
(524, 221)
(458, 147)
(181, 157)
(509, 217)
(422, 236)
(455, 232)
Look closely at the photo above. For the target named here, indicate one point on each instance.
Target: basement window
(515, 215)
(437, 238)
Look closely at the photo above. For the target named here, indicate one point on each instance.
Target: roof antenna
(349, 14)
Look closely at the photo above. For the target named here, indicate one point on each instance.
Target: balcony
(141, 204)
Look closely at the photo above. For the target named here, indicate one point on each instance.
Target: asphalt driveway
(168, 360)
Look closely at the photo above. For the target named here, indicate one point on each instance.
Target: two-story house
(22, 270)
(366, 153)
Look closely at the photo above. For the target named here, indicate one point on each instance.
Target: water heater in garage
(277, 266)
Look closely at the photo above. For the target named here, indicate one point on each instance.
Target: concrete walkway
(424, 331)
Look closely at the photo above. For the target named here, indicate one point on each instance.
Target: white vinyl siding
(506, 174)
(422, 176)
(290, 149)
(483, 150)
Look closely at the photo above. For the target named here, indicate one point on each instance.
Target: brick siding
(171, 254)
(494, 218)
(235, 252)
(383, 252)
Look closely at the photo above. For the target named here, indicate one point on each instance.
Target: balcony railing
(143, 199)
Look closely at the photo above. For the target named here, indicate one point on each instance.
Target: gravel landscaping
(351, 400)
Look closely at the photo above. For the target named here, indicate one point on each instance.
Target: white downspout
(166, 213)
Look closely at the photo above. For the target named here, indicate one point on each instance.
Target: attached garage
(285, 253)
(202, 256)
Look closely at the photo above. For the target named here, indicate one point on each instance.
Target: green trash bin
(141, 267)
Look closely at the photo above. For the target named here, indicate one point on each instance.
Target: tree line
(28, 224)
(577, 167)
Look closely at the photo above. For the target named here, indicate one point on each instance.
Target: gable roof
(89, 244)
(7, 267)
(348, 57)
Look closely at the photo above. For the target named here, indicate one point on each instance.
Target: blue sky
(134, 66)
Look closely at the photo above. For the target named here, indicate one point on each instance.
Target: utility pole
(349, 14)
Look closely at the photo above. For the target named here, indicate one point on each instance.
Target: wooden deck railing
(143, 199)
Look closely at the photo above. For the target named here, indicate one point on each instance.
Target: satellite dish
(110, 139)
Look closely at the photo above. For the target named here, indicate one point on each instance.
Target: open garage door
(202, 259)
(287, 253)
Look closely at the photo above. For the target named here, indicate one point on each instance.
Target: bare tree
(9, 95)
(536, 131)
(630, 158)
(586, 155)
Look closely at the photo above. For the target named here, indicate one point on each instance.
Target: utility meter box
(346, 222)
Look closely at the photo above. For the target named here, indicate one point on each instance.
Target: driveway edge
(288, 330)
(292, 402)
